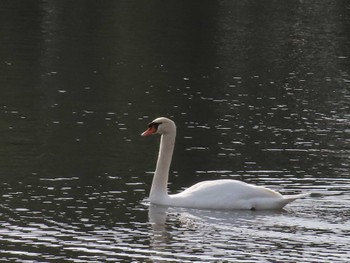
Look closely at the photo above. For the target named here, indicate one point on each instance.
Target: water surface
(259, 91)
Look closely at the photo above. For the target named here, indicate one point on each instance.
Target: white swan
(215, 194)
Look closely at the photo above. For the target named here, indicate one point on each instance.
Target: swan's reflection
(175, 225)
(158, 215)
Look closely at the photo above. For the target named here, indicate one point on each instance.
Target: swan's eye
(154, 125)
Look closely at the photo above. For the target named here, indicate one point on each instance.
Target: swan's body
(215, 194)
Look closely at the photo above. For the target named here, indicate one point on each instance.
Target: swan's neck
(159, 192)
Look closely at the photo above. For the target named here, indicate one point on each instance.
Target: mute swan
(214, 194)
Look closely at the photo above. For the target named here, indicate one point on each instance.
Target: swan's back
(228, 194)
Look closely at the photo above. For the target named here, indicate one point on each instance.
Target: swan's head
(160, 125)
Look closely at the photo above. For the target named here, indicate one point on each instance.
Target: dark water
(260, 91)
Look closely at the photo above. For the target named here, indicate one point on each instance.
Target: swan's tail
(290, 198)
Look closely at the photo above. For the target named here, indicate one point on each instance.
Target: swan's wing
(234, 188)
(225, 194)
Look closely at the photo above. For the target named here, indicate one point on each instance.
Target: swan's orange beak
(149, 131)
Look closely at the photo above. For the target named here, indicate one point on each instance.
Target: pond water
(260, 92)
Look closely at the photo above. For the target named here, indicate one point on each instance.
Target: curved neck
(159, 192)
